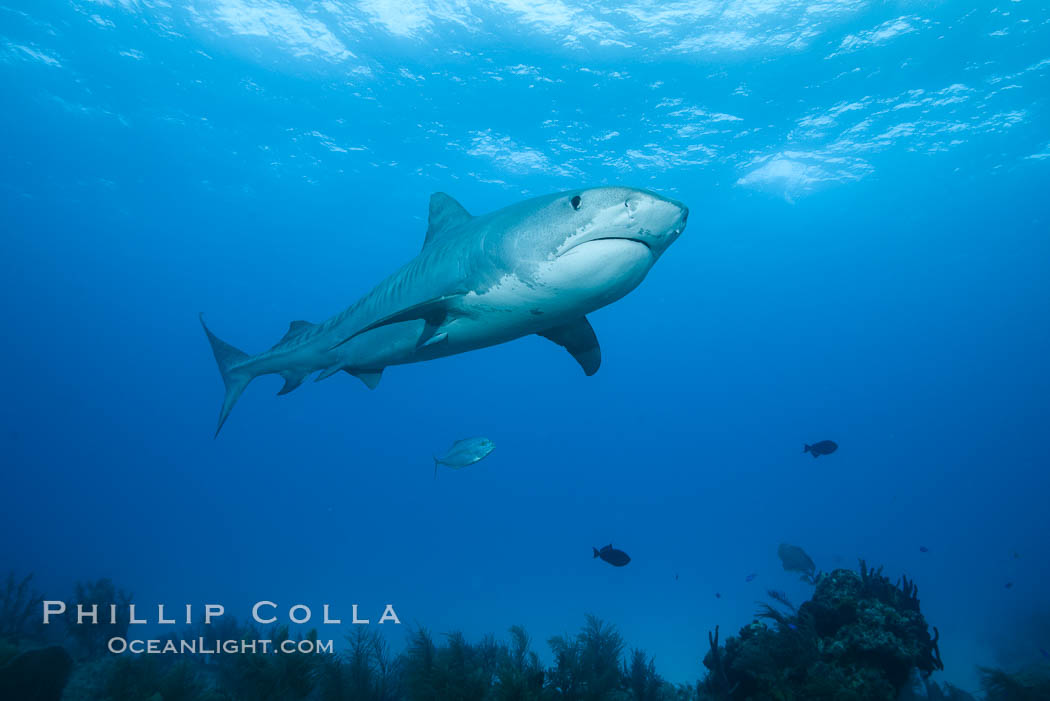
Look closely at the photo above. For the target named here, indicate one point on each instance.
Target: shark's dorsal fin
(445, 214)
(578, 338)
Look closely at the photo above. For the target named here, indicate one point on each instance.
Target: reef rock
(36, 675)
(860, 638)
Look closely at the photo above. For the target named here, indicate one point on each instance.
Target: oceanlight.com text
(200, 646)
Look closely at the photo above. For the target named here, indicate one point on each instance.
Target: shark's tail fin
(234, 376)
(596, 553)
(805, 448)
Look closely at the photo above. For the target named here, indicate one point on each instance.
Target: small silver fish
(464, 452)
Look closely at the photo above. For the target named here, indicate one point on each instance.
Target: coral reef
(587, 666)
(859, 638)
(18, 606)
(1030, 684)
(366, 670)
(36, 675)
(89, 641)
(1018, 637)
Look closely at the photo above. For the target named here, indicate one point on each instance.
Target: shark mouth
(605, 238)
(622, 238)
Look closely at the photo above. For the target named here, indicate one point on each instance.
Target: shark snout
(680, 220)
(668, 222)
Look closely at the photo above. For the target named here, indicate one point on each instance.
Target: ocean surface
(867, 260)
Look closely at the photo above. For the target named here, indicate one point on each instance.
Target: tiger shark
(535, 267)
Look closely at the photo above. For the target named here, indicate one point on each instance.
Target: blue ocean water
(866, 261)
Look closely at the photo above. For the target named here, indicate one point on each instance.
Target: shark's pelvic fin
(433, 312)
(434, 340)
(371, 378)
(292, 379)
(578, 338)
(329, 371)
(445, 214)
(234, 375)
(433, 323)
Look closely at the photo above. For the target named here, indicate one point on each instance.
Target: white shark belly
(556, 292)
(559, 291)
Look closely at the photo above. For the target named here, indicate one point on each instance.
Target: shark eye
(575, 202)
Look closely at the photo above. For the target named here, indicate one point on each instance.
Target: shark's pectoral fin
(371, 378)
(433, 312)
(292, 379)
(578, 338)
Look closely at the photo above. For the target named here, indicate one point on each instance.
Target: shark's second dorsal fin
(445, 214)
(294, 329)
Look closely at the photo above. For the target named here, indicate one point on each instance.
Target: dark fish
(1009, 585)
(792, 626)
(1044, 653)
(923, 549)
(676, 577)
(1017, 555)
(717, 595)
(795, 559)
(821, 448)
(616, 558)
(750, 577)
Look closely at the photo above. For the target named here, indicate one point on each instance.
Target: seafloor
(860, 637)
